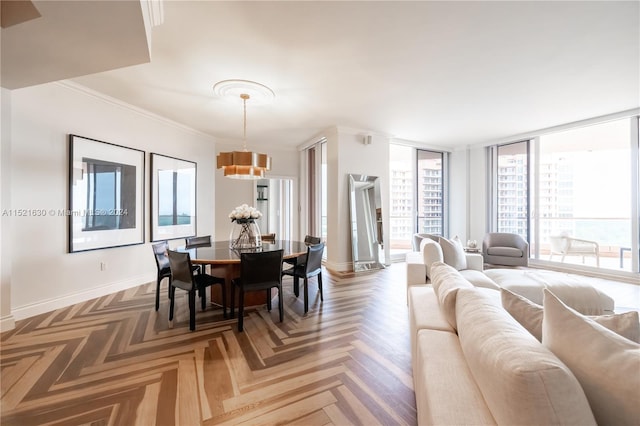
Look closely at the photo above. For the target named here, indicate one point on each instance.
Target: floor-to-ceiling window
(512, 195)
(578, 207)
(584, 213)
(402, 216)
(430, 200)
(417, 195)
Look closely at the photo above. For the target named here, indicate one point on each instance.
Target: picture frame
(173, 198)
(106, 195)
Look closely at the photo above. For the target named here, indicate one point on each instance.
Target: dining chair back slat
(311, 266)
(181, 270)
(310, 239)
(183, 277)
(198, 241)
(259, 271)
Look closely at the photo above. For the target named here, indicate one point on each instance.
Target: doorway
(274, 199)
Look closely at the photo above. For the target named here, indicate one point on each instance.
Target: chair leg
(320, 286)
(158, 293)
(306, 295)
(203, 298)
(192, 310)
(281, 304)
(172, 297)
(296, 285)
(268, 294)
(241, 310)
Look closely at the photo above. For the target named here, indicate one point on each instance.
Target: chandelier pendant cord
(244, 97)
(243, 164)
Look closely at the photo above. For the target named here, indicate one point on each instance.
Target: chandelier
(243, 164)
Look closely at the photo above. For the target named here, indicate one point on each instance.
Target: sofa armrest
(475, 261)
(416, 271)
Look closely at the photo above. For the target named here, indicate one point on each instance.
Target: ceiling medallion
(232, 89)
(243, 164)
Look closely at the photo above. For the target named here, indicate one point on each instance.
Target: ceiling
(45, 41)
(446, 74)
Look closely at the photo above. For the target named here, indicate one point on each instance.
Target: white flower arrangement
(243, 213)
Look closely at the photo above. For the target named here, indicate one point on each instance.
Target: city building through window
(571, 194)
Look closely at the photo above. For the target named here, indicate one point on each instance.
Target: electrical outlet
(103, 266)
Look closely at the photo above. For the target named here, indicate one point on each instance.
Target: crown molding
(68, 84)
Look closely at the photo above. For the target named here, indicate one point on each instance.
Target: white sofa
(574, 290)
(473, 363)
(430, 250)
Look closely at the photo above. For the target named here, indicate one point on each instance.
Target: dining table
(225, 263)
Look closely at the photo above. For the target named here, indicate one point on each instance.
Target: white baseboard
(27, 311)
(339, 266)
(7, 323)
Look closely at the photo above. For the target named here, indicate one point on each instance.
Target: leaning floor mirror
(365, 208)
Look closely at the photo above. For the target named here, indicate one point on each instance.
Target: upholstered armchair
(502, 248)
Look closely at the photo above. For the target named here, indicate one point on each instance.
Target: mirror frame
(365, 214)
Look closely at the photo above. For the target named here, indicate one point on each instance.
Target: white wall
(6, 318)
(478, 194)
(44, 276)
(348, 155)
(468, 194)
(458, 195)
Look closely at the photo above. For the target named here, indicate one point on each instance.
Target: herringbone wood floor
(115, 361)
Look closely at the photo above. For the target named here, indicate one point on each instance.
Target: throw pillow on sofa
(521, 380)
(446, 282)
(530, 315)
(453, 253)
(606, 364)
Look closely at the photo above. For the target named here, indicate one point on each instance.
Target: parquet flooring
(115, 361)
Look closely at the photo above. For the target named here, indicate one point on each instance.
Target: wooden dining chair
(182, 277)
(259, 271)
(311, 267)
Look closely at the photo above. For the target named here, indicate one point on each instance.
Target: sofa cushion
(606, 364)
(446, 281)
(574, 290)
(446, 393)
(431, 252)
(530, 315)
(424, 312)
(479, 279)
(453, 253)
(504, 251)
(520, 379)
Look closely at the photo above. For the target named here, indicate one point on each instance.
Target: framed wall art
(173, 198)
(106, 195)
